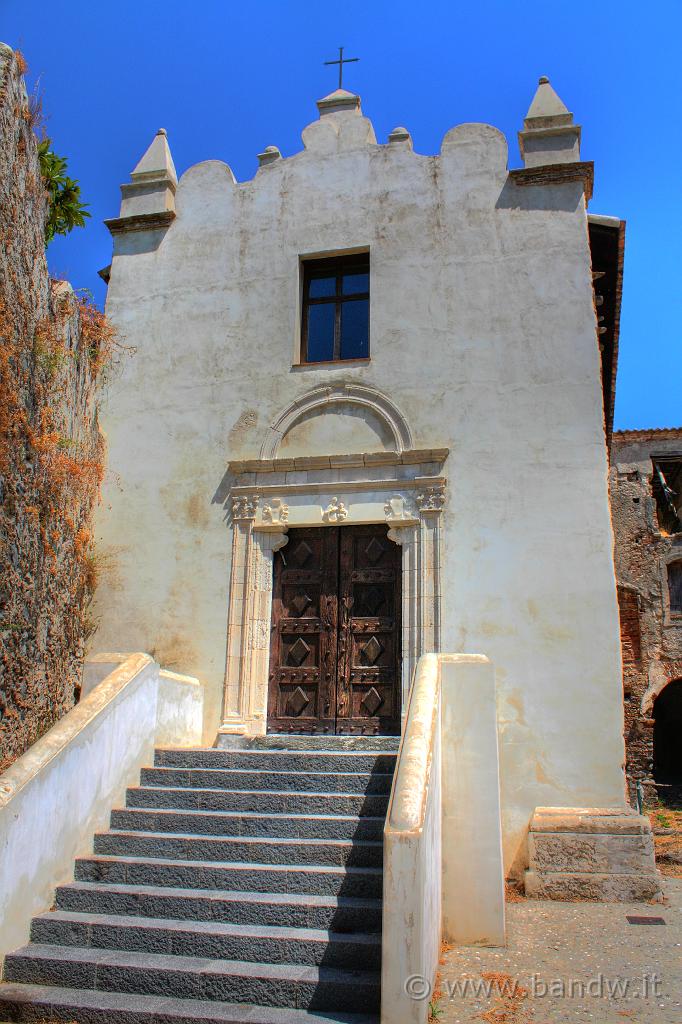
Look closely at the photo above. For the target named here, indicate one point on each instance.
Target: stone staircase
(237, 885)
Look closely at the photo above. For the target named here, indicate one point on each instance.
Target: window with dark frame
(335, 309)
(675, 586)
(667, 491)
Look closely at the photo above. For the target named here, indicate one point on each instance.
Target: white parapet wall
(443, 862)
(62, 790)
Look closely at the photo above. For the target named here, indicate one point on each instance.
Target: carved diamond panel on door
(302, 683)
(335, 651)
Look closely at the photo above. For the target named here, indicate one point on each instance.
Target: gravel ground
(620, 973)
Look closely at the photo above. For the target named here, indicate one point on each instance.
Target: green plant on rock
(66, 211)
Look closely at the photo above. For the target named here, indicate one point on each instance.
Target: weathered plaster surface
(483, 334)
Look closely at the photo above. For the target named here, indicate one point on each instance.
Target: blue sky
(226, 79)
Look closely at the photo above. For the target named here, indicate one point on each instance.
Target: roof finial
(549, 135)
(151, 189)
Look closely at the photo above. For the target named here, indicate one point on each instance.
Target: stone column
(256, 654)
(430, 503)
(407, 536)
(243, 515)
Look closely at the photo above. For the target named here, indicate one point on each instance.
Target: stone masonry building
(646, 505)
(366, 337)
(358, 491)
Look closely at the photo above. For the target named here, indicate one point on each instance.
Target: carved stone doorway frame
(403, 489)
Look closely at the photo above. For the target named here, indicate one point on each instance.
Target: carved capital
(401, 533)
(431, 500)
(244, 507)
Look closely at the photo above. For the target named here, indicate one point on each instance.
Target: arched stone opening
(384, 417)
(667, 715)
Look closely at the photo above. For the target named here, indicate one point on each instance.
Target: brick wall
(651, 636)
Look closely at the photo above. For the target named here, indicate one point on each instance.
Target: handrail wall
(61, 791)
(412, 858)
(443, 867)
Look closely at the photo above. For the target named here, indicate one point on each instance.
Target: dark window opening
(675, 586)
(667, 729)
(630, 636)
(667, 490)
(336, 309)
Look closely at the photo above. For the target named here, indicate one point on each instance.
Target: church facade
(365, 420)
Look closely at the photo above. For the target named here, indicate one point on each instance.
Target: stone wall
(52, 347)
(651, 636)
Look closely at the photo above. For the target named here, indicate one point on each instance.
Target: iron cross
(341, 62)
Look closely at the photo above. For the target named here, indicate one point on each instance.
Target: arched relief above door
(382, 428)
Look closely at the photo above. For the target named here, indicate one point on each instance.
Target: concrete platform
(620, 973)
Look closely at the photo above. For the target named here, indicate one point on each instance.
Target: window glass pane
(321, 332)
(321, 287)
(351, 284)
(355, 329)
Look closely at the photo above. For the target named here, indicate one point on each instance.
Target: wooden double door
(335, 641)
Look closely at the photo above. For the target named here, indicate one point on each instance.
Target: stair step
(301, 987)
(30, 1003)
(333, 880)
(263, 801)
(287, 741)
(360, 853)
(294, 910)
(218, 940)
(246, 823)
(238, 884)
(280, 781)
(278, 760)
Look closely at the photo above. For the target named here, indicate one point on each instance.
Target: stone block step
(288, 741)
(264, 850)
(579, 852)
(278, 760)
(297, 910)
(246, 823)
(279, 781)
(218, 940)
(32, 1003)
(603, 887)
(183, 977)
(263, 801)
(183, 873)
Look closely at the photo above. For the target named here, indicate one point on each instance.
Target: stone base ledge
(610, 820)
(605, 888)
(591, 853)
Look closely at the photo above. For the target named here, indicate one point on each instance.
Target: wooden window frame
(343, 264)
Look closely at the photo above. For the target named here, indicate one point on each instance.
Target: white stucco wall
(482, 333)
